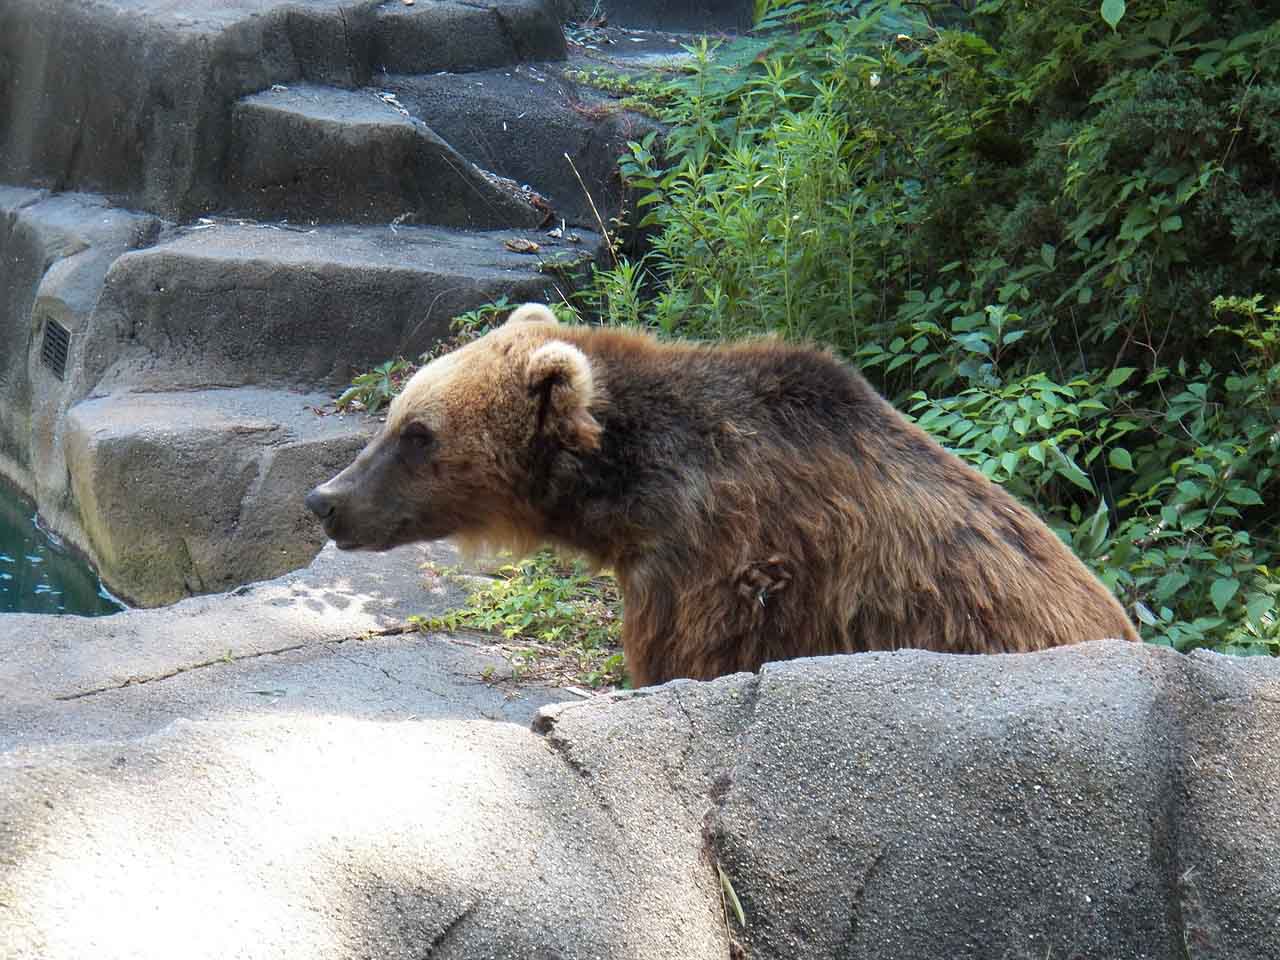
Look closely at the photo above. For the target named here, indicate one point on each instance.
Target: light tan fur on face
(474, 378)
(481, 401)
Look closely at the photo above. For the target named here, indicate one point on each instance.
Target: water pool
(38, 574)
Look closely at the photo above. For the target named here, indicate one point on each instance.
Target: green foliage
(1050, 231)
(637, 93)
(475, 323)
(560, 617)
(375, 389)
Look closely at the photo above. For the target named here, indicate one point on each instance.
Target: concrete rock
(701, 15)
(237, 304)
(184, 493)
(133, 97)
(1107, 800)
(56, 251)
(317, 154)
(331, 837)
(521, 122)
(325, 640)
(463, 35)
(253, 775)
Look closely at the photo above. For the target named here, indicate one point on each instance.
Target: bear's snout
(320, 503)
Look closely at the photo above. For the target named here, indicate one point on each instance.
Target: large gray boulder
(1106, 800)
(1109, 800)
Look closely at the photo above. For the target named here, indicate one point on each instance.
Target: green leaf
(1244, 496)
(1009, 461)
(731, 896)
(1258, 605)
(1144, 614)
(1098, 527)
(1120, 459)
(1222, 591)
(1119, 375)
(1170, 583)
(1171, 224)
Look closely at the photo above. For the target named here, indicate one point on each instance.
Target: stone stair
(229, 303)
(229, 209)
(310, 153)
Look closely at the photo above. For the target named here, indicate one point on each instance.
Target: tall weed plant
(1050, 231)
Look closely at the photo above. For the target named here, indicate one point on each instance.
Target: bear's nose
(319, 504)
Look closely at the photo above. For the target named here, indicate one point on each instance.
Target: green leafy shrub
(1031, 225)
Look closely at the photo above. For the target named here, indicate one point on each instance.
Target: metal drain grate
(53, 350)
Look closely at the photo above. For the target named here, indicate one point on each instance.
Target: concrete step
(133, 97)
(702, 16)
(233, 304)
(521, 122)
(323, 154)
(196, 492)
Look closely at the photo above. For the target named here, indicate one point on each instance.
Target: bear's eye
(416, 441)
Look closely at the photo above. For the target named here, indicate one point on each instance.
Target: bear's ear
(532, 313)
(560, 380)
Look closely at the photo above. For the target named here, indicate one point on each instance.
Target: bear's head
(462, 440)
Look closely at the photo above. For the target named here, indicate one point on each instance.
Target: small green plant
(639, 94)
(375, 389)
(563, 622)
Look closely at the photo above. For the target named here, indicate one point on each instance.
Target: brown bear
(757, 501)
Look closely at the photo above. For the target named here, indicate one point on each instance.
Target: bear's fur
(757, 501)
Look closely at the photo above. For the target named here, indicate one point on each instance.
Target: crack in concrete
(230, 658)
(346, 42)
(446, 935)
(544, 724)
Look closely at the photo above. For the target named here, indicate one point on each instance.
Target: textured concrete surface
(521, 121)
(318, 154)
(196, 492)
(133, 97)
(1105, 800)
(702, 15)
(230, 304)
(311, 642)
(265, 774)
(319, 792)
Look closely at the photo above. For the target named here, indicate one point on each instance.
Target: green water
(40, 575)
